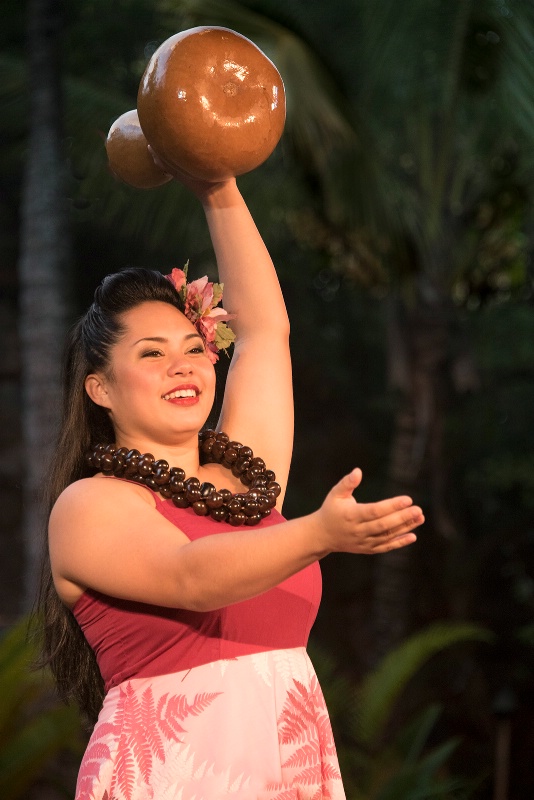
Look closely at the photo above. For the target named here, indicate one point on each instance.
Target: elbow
(285, 329)
(201, 602)
(280, 325)
(194, 595)
(276, 333)
(204, 604)
(274, 322)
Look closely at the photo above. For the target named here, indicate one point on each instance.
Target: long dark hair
(63, 646)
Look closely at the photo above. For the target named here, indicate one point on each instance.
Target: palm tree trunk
(43, 256)
(416, 459)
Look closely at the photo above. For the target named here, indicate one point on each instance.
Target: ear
(95, 386)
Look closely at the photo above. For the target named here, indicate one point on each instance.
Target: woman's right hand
(347, 526)
(201, 188)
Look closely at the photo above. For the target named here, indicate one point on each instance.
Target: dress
(208, 705)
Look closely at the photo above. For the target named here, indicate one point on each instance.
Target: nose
(181, 365)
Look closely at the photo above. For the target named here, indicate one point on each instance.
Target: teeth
(180, 393)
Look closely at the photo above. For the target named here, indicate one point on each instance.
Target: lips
(186, 394)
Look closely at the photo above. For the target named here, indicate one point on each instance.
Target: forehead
(154, 318)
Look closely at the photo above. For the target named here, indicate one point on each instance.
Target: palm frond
(516, 87)
(311, 91)
(413, 738)
(382, 687)
(329, 136)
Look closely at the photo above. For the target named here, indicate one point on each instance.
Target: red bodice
(132, 639)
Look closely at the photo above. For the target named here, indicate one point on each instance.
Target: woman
(198, 624)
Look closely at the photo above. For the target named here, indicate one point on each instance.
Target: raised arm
(258, 401)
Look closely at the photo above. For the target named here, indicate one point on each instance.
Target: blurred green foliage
(34, 727)
(382, 759)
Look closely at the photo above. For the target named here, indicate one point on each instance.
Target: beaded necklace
(244, 508)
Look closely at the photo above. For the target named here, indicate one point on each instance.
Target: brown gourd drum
(210, 103)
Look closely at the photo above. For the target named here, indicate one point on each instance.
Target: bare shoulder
(90, 493)
(94, 503)
(107, 535)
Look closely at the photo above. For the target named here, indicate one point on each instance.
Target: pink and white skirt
(250, 728)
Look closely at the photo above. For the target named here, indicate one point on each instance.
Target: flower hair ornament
(201, 298)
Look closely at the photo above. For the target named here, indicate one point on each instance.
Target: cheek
(210, 377)
(129, 383)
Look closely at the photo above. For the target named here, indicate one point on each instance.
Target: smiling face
(160, 384)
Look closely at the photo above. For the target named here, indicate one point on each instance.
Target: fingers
(396, 523)
(158, 162)
(395, 543)
(347, 484)
(370, 527)
(377, 510)
(404, 527)
(383, 508)
(398, 535)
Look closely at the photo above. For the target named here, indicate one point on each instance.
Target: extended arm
(106, 535)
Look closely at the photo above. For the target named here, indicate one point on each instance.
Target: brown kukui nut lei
(244, 508)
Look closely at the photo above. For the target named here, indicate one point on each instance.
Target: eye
(199, 348)
(151, 353)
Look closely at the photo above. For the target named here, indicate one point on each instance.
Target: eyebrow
(163, 340)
